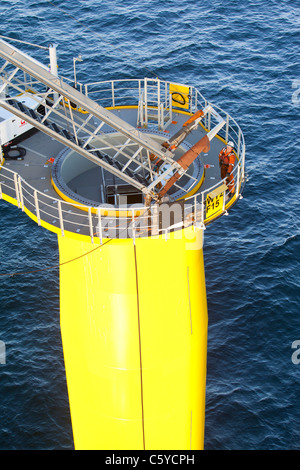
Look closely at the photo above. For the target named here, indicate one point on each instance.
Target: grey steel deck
(143, 112)
(35, 170)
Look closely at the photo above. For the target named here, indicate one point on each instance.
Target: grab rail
(97, 222)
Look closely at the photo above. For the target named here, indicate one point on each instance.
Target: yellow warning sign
(180, 96)
(214, 204)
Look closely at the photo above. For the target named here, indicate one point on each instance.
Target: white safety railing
(109, 221)
(148, 94)
(101, 222)
(61, 216)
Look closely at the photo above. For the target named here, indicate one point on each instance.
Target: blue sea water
(244, 56)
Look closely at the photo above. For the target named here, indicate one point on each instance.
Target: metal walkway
(84, 132)
(58, 98)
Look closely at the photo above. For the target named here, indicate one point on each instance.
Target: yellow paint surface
(180, 95)
(134, 332)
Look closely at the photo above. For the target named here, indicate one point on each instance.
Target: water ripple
(243, 56)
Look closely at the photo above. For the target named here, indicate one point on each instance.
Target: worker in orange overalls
(226, 163)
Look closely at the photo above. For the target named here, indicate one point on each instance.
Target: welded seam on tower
(140, 344)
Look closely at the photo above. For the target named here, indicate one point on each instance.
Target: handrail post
(161, 116)
(21, 193)
(191, 100)
(133, 225)
(99, 224)
(1, 156)
(91, 224)
(139, 88)
(195, 211)
(239, 143)
(205, 117)
(227, 127)
(17, 189)
(196, 99)
(146, 103)
(61, 220)
(113, 93)
(159, 120)
(37, 209)
(243, 161)
(170, 106)
(238, 181)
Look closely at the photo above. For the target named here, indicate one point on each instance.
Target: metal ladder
(76, 130)
(62, 133)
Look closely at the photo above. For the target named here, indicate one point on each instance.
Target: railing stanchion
(17, 189)
(238, 181)
(205, 117)
(243, 161)
(170, 106)
(239, 143)
(133, 225)
(99, 224)
(37, 209)
(113, 93)
(91, 225)
(146, 103)
(1, 156)
(61, 220)
(195, 210)
(21, 193)
(227, 127)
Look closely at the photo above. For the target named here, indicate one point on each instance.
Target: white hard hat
(230, 143)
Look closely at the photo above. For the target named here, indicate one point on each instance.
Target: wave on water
(243, 56)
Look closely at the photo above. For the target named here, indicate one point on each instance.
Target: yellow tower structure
(134, 332)
(128, 189)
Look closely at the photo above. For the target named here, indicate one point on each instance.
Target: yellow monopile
(134, 332)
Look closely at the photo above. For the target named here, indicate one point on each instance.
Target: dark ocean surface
(243, 56)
